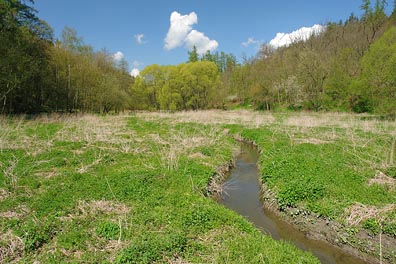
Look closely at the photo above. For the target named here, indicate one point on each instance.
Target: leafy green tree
(193, 55)
(24, 40)
(378, 71)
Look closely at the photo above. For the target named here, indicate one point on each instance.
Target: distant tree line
(350, 66)
(39, 74)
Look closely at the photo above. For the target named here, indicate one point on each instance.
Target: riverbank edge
(361, 244)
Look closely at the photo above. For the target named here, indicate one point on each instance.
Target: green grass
(121, 190)
(326, 169)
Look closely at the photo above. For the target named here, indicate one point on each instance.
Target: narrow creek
(242, 194)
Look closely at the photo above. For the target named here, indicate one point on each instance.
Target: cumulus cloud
(179, 28)
(250, 41)
(199, 40)
(139, 39)
(181, 33)
(302, 34)
(118, 56)
(135, 72)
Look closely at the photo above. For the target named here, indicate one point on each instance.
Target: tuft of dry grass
(340, 120)
(11, 247)
(10, 173)
(4, 194)
(382, 179)
(101, 206)
(94, 208)
(93, 128)
(207, 117)
(314, 141)
(358, 212)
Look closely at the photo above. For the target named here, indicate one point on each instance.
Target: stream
(241, 193)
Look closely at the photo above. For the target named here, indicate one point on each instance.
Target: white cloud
(135, 72)
(199, 40)
(179, 28)
(139, 39)
(250, 41)
(181, 33)
(118, 56)
(302, 34)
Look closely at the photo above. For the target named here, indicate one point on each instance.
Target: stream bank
(250, 198)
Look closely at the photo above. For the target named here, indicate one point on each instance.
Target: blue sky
(116, 25)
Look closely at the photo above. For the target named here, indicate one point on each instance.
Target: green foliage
(38, 75)
(81, 189)
(153, 249)
(35, 234)
(372, 225)
(183, 87)
(320, 178)
(74, 239)
(193, 55)
(108, 230)
(377, 71)
(347, 67)
(300, 190)
(24, 40)
(390, 229)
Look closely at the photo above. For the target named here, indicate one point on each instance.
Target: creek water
(241, 193)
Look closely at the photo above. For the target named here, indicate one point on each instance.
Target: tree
(193, 55)
(24, 40)
(378, 66)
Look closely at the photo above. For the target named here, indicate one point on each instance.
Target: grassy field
(338, 169)
(125, 189)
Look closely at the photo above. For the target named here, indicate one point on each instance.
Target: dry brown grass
(358, 212)
(95, 208)
(382, 179)
(4, 194)
(340, 120)
(94, 128)
(10, 214)
(47, 174)
(101, 207)
(169, 148)
(11, 247)
(243, 117)
(314, 141)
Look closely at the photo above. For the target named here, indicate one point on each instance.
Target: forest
(349, 66)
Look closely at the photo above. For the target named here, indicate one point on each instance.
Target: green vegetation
(332, 167)
(186, 86)
(40, 74)
(121, 190)
(346, 67)
(325, 169)
(133, 188)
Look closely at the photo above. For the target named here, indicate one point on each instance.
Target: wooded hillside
(349, 66)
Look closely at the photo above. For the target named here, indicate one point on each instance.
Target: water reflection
(242, 194)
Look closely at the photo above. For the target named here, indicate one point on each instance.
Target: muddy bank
(360, 243)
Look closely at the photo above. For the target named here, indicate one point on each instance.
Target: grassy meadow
(133, 188)
(121, 189)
